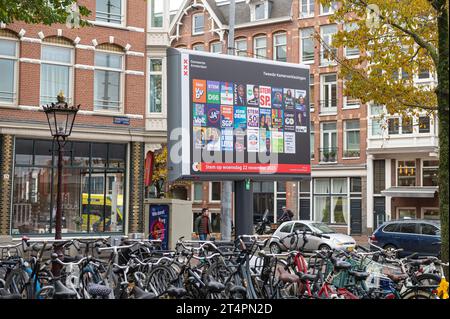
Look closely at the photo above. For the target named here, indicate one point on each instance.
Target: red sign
(148, 168)
(255, 168)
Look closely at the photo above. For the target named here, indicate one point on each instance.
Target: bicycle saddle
(342, 265)
(359, 275)
(96, 290)
(70, 259)
(142, 294)
(215, 287)
(62, 291)
(176, 292)
(397, 278)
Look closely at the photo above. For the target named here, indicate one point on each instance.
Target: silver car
(335, 240)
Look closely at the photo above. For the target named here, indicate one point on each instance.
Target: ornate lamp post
(60, 118)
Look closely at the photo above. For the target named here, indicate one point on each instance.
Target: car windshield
(323, 228)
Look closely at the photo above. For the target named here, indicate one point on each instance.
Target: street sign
(121, 120)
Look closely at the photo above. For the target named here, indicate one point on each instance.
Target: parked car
(412, 235)
(335, 240)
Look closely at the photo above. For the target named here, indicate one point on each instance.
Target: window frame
(422, 166)
(211, 200)
(332, 9)
(194, 32)
(121, 78)
(213, 44)
(308, 14)
(302, 38)
(15, 60)
(330, 141)
(238, 52)
(397, 176)
(346, 130)
(123, 16)
(193, 192)
(330, 109)
(423, 209)
(397, 211)
(150, 15)
(160, 73)
(322, 61)
(348, 27)
(256, 48)
(198, 44)
(253, 17)
(68, 95)
(275, 46)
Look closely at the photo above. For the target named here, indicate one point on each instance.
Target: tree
(47, 12)
(397, 40)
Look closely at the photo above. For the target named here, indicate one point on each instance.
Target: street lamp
(60, 118)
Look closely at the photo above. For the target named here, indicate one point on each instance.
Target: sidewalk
(361, 240)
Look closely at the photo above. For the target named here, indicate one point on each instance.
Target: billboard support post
(243, 208)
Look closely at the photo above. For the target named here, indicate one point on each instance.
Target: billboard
(232, 118)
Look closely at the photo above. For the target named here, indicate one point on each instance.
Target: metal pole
(227, 186)
(56, 268)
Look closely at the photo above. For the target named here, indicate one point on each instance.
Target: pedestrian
(203, 224)
(286, 216)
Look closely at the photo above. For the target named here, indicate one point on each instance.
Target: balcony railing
(351, 153)
(328, 155)
(329, 105)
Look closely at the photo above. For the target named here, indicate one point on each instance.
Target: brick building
(283, 31)
(101, 67)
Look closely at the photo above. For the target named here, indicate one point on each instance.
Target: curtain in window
(339, 186)
(353, 141)
(322, 209)
(340, 211)
(54, 78)
(321, 186)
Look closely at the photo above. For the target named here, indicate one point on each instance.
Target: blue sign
(121, 120)
(159, 224)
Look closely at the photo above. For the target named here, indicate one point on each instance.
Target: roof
(411, 191)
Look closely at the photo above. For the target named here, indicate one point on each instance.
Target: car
(412, 235)
(335, 241)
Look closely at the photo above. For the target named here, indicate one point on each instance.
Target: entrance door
(355, 216)
(379, 207)
(304, 209)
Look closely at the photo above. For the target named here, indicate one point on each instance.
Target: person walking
(203, 224)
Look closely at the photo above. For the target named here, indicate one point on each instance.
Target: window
(260, 11)
(8, 66)
(328, 93)
(391, 228)
(109, 11)
(328, 142)
(430, 213)
(156, 13)
(376, 122)
(307, 45)
(424, 124)
(355, 185)
(301, 227)
(430, 173)
(260, 47)
(394, 126)
(216, 47)
(56, 72)
(424, 74)
(215, 191)
(327, 51)
(198, 47)
(331, 200)
(306, 8)
(328, 9)
(311, 91)
(198, 23)
(351, 52)
(174, 7)
(155, 97)
(407, 125)
(286, 228)
(279, 47)
(351, 102)
(198, 192)
(108, 79)
(94, 187)
(427, 229)
(312, 140)
(408, 228)
(241, 47)
(351, 138)
(406, 173)
(379, 176)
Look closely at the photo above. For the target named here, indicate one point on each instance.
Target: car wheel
(275, 248)
(324, 247)
(391, 250)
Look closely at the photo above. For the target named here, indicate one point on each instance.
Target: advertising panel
(233, 118)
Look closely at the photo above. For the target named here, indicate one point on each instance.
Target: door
(305, 209)
(355, 216)
(379, 214)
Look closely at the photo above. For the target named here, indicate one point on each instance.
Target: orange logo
(199, 91)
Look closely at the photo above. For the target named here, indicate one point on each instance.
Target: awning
(411, 191)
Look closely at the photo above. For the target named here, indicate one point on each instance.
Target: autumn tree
(398, 40)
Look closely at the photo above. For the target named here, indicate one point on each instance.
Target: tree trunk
(443, 114)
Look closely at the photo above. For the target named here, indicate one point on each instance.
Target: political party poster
(213, 115)
(213, 92)
(265, 118)
(199, 91)
(252, 117)
(264, 140)
(252, 140)
(240, 117)
(240, 95)
(199, 137)
(300, 100)
(277, 142)
(212, 139)
(289, 121)
(159, 224)
(277, 98)
(277, 119)
(265, 96)
(226, 93)
(288, 99)
(301, 122)
(199, 115)
(226, 116)
(252, 95)
(289, 142)
(239, 144)
(227, 139)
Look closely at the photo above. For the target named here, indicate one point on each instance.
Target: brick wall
(6, 164)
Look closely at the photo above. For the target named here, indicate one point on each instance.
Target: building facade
(284, 31)
(103, 69)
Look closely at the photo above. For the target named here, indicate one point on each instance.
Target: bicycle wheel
(159, 279)
(16, 282)
(428, 280)
(419, 293)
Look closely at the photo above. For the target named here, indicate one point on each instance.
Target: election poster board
(159, 224)
(233, 118)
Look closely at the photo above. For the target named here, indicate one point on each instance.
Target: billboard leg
(244, 209)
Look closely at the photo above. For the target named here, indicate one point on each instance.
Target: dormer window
(198, 24)
(260, 10)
